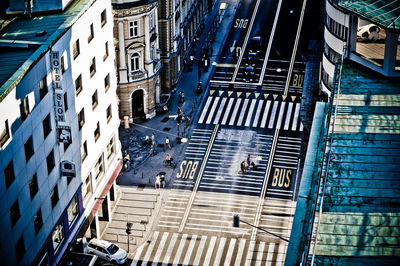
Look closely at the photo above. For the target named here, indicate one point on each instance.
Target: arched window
(134, 62)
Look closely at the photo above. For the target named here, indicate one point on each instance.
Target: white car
(107, 251)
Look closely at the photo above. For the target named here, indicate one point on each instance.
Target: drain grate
(165, 119)
(166, 128)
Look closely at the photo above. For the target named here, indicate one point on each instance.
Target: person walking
(167, 143)
(242, 168)
(248, 161)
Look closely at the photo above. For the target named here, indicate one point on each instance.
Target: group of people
(250, 164)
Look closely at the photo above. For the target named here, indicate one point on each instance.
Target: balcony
(137, 75)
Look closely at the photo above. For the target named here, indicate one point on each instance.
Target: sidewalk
(145, 168)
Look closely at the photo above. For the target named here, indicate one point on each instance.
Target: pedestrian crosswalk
(252, 112)
(192, 249)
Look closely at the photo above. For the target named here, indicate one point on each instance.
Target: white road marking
(288, 115)
(205, 109)
(235, 111)
(272, 119)
(264, 119)
(259, 107)
(250, 113)
(228, 108)
(221, 107)
(243, 111)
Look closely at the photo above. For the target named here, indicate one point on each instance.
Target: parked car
(255, 45)
(107, 250)
(249, 73)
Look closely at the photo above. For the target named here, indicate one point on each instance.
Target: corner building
(59, 145)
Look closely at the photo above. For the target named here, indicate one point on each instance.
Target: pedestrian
(167, 143)
(253, 166)
(248, 161)
(242, 168)
(188, 117)
(158, 182)
(181, 97)
(153, 138)
(126, 161)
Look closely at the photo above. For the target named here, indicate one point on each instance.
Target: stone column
(122, 69)
(147, 59)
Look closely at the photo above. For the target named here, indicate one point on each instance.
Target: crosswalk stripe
(260, 253)
(240, 251)
(258, 112)
(278, 124)
(160, 248)
(272, 119)
(250, 253)
(239, 100)
(190, 249)
(296, 116)
(220, 250)
(301, 126)
(200, 250)
(221, 107)
(270, 253)
(203, 114)
(180, 249)
(210, 251)
(171, 246)
(243, 111)
(151, 247)
(289, 113)
(250, 113)
(280, 257)
(211, 113)
(228, 108)
(264, 119)
(230, 252)
(137, 255)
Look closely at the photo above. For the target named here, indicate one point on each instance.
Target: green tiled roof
(361, 208)
(385, 13)
(21, 46)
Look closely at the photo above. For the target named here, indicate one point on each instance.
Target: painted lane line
(272, 119)
(264, 119)
(205, 109)
(228, 109)
(200, 251)
(196, 185)
(296, 116)
(238, 101)
(211, 113)
(301, 126)
(250, 113)
(221, 107)
(258, 112)
(210, 251)
(242, 112)
(278, 124)
(288, 115)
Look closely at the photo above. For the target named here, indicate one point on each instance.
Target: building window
(14, 213)
(107, 82)
(46, 123)
(24, 108)
(78, 84)
(336, 28)
(91, 35)
(28, 147)
(92, 67)
(62, 64)
(95, 100)
(105, 52)
(72, 211)
(20, 249)
(81, 118)
(9, 174)
(110, 149)
(33, 186)
(75, 49)
(84, 151)
(87, 187)
(97, 132)
(43, 88)
(109, 113)
(326, 79)
(54, 197)
(50, 162)
(98, 167)
(134, 62)
(103, 18)
(4, 133)
(133, 28)
(57, 236)
(151, 18)
(38, 221)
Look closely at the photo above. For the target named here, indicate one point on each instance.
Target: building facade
(365, 34)
(180, 22)
(59, 130)
(138, 58)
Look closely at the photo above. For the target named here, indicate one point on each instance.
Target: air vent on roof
(41, 33)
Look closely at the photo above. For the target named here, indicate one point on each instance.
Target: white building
(44, 203)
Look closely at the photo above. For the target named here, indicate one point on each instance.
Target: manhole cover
(167, 129)
(165, 119)
(141, 186)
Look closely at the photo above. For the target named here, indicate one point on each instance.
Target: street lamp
(128, 231)
(236, 223)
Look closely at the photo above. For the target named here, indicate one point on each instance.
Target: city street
(252, 118)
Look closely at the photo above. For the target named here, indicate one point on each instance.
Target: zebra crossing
(257, 112)
(192, 249)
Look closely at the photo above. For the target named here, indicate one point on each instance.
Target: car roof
(99, 242)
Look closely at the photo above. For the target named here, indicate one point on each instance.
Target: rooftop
(385, 13)
(361, 208)
(24, 40)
